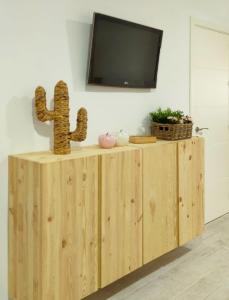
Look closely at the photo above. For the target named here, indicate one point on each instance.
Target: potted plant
(171, 125)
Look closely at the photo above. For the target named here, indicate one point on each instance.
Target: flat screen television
(123, 54)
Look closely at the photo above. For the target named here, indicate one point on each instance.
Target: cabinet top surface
(80, 152)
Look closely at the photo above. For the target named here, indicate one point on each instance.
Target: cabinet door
(160, 205)
(69, 204)
(24, 234)
(191, 189)
(121, 214)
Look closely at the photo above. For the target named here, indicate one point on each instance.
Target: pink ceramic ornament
(107, 141)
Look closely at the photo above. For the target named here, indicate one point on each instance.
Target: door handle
(199, 130)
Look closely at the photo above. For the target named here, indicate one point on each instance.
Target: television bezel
(91, 78)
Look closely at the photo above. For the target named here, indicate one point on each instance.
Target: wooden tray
(135, 139)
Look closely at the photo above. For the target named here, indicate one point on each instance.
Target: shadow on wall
(79, 35)
(43, 128)
(21, 122)
(78, 40)
(146, 125)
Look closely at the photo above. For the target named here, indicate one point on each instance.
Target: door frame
(195, 22)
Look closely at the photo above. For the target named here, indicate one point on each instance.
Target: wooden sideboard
(81, 221)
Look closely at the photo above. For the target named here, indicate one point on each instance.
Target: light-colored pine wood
(76, 221)
(139, 139)
(121, 214)
(24, 230)
(160, 206)
(54, 228)
(191, 188)
(44, 157)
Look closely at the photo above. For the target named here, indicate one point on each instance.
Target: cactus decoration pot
(60, 116)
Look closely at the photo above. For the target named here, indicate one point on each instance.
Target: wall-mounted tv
(123, 54)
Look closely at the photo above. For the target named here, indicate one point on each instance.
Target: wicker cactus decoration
(60, 116)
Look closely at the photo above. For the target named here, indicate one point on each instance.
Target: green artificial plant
(169, 116)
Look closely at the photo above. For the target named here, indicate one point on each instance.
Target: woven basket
(171, 131)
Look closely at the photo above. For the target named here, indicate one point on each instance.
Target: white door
(209, 107)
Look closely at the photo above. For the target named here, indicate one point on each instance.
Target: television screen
(123, 53)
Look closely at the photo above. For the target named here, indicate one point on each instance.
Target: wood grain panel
(160, 205)
(53, 229)
(121, 214)
(24, 230)
(191, 188)
(70, 231)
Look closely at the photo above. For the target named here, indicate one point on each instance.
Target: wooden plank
(24, 233)
(160, 205)
(191, 189)
(12, 220)
(121, 214)
(135, 139)
(45, 157)
(70, 228)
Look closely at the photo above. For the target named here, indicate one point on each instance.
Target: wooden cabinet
(79, 222)
(190, 189)
(53, 228)
(173, 195)
(121, 214)
(160, 209)
(24, 230)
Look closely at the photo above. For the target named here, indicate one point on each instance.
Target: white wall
(44, 41)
